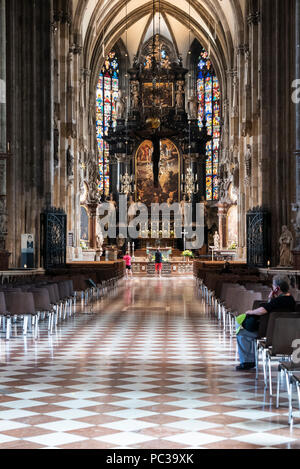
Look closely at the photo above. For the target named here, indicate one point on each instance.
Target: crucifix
(156, 158)
(184, 233)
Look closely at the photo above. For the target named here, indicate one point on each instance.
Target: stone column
(4, 255)
(222, 215)
(92, 208)
(3, 143)
(297, 114)
(296, 252)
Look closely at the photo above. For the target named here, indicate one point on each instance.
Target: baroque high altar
(156, 147)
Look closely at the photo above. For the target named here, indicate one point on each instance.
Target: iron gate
(54, 237)
(258, 237)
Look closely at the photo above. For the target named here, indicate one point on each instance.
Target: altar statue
(182, 204)
(286, 242)
(170, 199)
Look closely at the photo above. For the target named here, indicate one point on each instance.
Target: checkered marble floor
(146, 368)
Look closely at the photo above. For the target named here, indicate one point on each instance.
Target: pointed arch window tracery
(106, 97)
(208, 90)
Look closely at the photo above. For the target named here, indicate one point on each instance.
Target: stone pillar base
(296, 255)
(4, 258)
(241, 253)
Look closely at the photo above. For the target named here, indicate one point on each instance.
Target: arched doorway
(169, 173)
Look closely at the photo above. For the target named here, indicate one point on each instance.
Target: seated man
(279, 300)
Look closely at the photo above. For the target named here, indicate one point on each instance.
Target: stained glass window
(106, 97)
(208, 89)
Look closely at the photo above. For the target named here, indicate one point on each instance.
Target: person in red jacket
(127, 259)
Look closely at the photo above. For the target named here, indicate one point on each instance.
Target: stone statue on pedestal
(93, 179)
(286, 242)
(179, 96)
(216, 241)
(99, 243)
(193, 107)
(70, 163)
(120, 106)
(135, 96)
(248, 165)
(182, 204)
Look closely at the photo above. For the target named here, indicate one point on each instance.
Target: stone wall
(30, 173)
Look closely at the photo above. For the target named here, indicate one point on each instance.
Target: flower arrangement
(83, 245)
(233, 245)
(187, 254)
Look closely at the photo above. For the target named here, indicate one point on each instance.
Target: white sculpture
(182, 205)
(120, 106)
(99, 238)
(216, 241)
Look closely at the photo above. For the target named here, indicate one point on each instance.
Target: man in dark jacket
(158, 262)
(279, 300)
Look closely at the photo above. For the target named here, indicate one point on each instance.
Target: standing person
(127, 259)
(158, 261)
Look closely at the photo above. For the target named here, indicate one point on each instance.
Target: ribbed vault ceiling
(217, 24)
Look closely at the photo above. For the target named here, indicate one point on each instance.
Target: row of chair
(30, 303)
(276, 336)
(231, 299)
(55, 301)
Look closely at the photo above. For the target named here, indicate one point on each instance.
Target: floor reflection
(148, 367)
